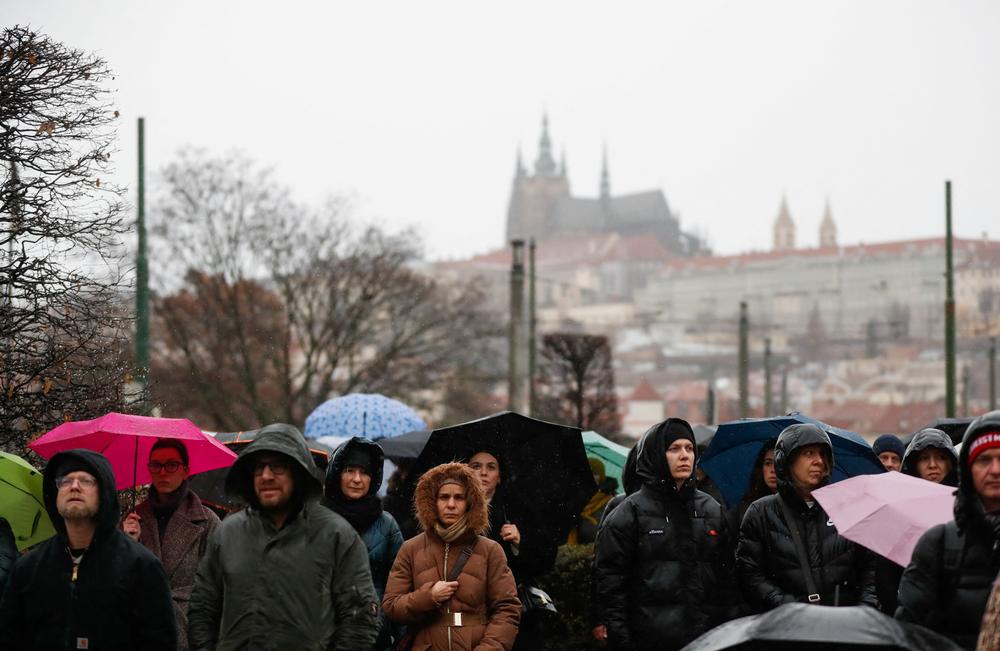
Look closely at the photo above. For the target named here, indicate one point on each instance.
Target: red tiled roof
(644, 391)
(976, 247)
(577, 250)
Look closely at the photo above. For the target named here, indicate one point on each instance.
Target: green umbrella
(21, 503)
(609, 452)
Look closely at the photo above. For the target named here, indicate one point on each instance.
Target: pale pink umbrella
(126, 440)
(888, 512)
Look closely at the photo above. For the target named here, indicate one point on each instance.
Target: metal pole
(142, 278)
(966, 378)
(515, 386)
(744, 362)
(949, 311)
(532, 334)
(784, 390)
(993, 373)
(710, 404)
(768, 406)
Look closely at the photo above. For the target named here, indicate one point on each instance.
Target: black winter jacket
(8, 553)
(767, 565)
(120, 599)
(663, 560)
(951, 573)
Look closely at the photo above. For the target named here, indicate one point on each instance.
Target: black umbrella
(953, 427)
(210, 486)
(823, 628)
(549, 476)
(405, 446)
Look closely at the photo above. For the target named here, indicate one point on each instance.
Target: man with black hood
(663, 556)
(90, 586)
(286, 572)
(951, 572)
(789, 549)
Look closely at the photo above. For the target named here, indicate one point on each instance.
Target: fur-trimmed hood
(425, 496)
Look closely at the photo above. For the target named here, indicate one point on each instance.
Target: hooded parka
(767, 564)
(948, 580)
(119, 600)
(378, 529)
(664, 555)
(304, 586)
(486, 595)
(924, 440)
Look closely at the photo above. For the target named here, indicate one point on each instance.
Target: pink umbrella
(126, 440)
(887, 512)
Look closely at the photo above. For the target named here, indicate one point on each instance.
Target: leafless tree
(63, 329)
(577, 382)
(283, 307)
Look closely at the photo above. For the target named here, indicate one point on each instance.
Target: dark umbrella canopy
(405, 446)
(549, 475)
(729, 459)
(807, 626)
(953, 427)
(211, 486)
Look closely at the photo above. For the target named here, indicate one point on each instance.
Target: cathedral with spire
(542, 207)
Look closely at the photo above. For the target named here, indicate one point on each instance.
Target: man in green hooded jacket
(286, 572)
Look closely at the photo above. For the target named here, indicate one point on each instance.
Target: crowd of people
(316, 560)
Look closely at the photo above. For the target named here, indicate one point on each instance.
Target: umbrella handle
(135, 473)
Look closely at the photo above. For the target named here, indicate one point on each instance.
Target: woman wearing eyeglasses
(173, 524)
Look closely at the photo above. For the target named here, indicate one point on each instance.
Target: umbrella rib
(20, 490)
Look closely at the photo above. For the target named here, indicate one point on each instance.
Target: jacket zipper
(447, 546)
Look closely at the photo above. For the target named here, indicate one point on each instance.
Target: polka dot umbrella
(371, 415)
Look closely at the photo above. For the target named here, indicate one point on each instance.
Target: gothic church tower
(784, 229)
(827, 229)
(534, 196)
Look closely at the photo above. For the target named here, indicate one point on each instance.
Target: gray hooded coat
(304, 586)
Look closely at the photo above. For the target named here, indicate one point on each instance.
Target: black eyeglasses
(171, 467)
(277, 466)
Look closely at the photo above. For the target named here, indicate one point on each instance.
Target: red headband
(985, 441)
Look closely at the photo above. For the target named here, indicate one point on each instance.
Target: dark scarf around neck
(165, 505)
(361, 513)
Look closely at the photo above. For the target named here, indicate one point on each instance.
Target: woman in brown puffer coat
(480, 609)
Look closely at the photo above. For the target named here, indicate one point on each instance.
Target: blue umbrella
(371, 415)
(730, 457)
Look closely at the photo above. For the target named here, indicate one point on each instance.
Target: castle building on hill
(542, 207)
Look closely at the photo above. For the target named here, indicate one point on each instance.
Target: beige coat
(486, 595)
(183, 545)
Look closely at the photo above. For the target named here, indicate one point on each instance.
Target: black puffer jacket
(120, 599)
(924, 440)
(948, 580)
(663, 560)
(767, 565)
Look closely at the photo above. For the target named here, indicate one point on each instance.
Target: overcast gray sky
(417, 108)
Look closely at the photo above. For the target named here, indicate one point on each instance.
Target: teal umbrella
(21, 502)
(609, 452)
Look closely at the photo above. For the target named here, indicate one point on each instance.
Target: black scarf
(164, 506)
(361, 513)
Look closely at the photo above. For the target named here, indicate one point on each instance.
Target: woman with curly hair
(472, 607)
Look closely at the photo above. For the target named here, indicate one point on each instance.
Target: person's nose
(266, 472)
(995, 467)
